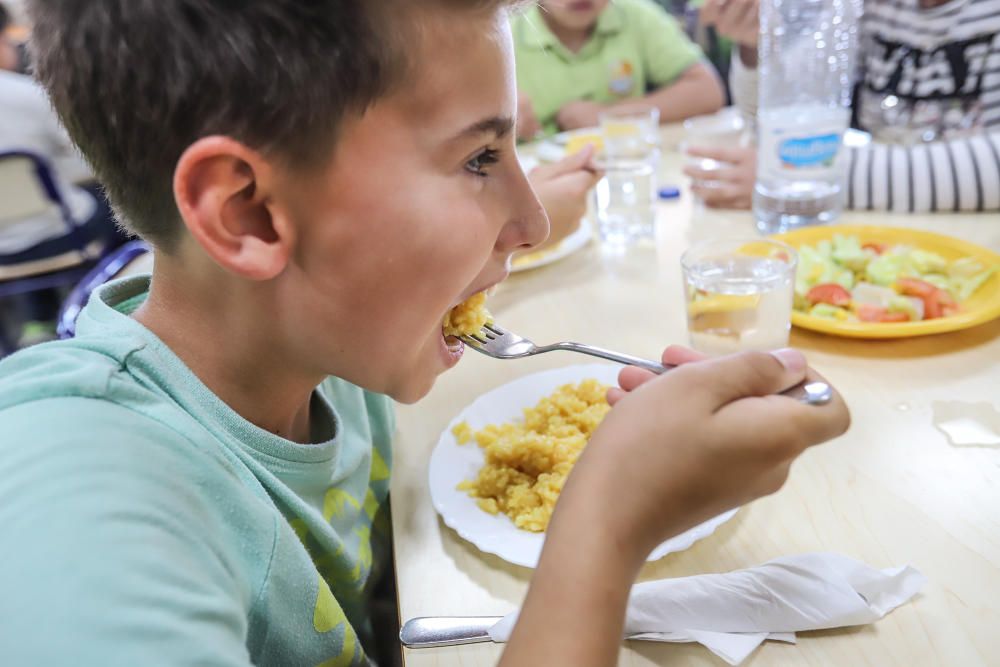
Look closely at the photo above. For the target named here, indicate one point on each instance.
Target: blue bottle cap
(669, 192)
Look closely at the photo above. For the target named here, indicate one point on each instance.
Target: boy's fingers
(615, 394)
(676, 355)
(579, 182)
(751, 374)
(787, 426)
(581, 161)
(631, 377)
(577, 161)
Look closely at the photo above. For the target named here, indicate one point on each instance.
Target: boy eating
(199, 476)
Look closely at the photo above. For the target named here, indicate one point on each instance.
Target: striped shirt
(928, 90)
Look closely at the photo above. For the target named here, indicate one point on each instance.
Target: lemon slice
(723, 303)
(618, 130)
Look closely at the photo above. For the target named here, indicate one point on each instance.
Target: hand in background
(737, 20)
(562, 187)
(732, 185)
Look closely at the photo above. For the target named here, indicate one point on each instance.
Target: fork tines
(492, 328)
(489, 332)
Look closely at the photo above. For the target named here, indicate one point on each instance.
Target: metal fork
(499, 343)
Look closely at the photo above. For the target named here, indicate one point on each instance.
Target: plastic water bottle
(807, 55)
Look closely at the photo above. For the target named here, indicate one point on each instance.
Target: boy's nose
(528, 225)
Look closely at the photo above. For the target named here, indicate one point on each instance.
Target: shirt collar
(536, 33)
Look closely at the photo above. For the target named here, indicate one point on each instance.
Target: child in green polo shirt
(578, 57)
(200, 476)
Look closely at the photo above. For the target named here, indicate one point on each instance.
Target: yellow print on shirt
(329, 616)
(380, 470)
(337, 501)
(621, 79)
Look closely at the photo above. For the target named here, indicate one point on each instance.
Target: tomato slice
(830, 293)
(915, 287)
(867, 312)
(879, 248)
(939, 303)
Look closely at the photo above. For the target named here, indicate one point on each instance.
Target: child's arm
(952, 175)
(675, 451)
(695, 92)
(943, 176)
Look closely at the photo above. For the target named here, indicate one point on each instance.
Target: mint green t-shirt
(635, 47)
(144, 522)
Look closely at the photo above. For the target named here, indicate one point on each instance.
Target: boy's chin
(417, 382)
(413, 390)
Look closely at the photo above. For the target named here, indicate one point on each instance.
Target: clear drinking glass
(739, 294)
(625, 201)
(631, 132)
(724, 129)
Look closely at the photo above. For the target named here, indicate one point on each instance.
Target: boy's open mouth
(465, 318)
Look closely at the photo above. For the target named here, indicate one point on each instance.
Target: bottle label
(804, 144)
(809, 152)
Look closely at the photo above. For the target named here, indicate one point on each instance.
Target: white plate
(553, 149)
(563, 138)
(564, 248)
(452, 463)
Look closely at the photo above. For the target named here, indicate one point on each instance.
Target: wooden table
(894, 490)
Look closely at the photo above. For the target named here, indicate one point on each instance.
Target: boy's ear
(222, 192)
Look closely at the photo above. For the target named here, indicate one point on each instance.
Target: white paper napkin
(732, 614)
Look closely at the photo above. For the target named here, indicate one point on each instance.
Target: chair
(28, 188)
(123, 260)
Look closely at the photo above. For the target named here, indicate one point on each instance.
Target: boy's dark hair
(138, 81)
(4, 18)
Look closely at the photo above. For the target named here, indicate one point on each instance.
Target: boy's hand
(676, 449)
(738, 20)
(733, 184)
(683, 447)
(562, 188)
(528, 126)
(631, 377)
(581, 113)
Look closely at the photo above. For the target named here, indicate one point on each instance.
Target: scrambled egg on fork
(467, 317)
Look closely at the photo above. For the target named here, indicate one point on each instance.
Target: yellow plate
(981, 307)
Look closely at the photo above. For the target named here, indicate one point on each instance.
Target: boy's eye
(479, 164)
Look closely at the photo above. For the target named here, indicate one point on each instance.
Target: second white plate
(452, 463)
(575, 241)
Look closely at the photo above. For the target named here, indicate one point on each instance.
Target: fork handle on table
(812, 393)
(431, 631)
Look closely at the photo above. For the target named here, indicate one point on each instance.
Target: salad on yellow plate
(885, 282)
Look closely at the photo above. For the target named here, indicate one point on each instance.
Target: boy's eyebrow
(500, 126)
